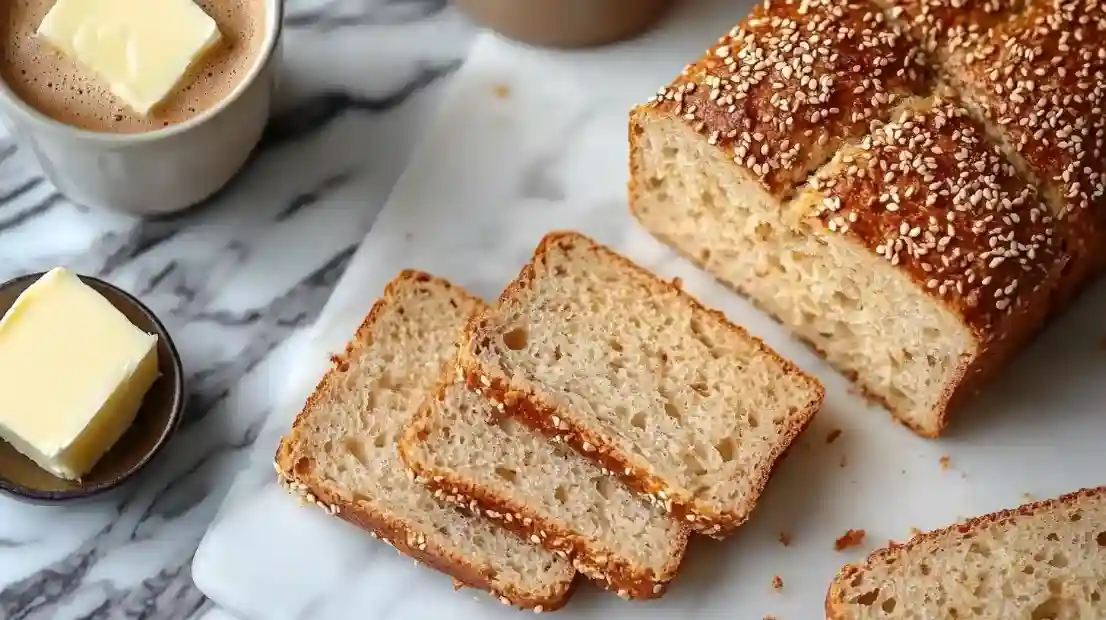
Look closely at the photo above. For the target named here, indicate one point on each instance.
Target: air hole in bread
(558, 270)
(753, 421)
(693, 464)
(557, 353)
(868, 598)
(507, 474)
(605, 486)
(727, 449)
(638, 419)
(1101, 539)
(979, 549)
(671, 410)
(889, 605)
(700, 387)
(560, 494)
(615, 345)
(763, 231)
(924, 568)
(1055, 586)
(1053, 537)
(1029, 570)
(700, 335)
(1059, 560)
(1076, 516)
(516, 339)
(1048, 610)
(707, 199)
(704, 255)
(358, 450)
(859, 578)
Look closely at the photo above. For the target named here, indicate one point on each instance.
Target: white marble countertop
(236, 281)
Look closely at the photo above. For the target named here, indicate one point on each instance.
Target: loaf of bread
(472, 454)
(687, 408)
(1042, 560)
(341, 453)
(817, 160)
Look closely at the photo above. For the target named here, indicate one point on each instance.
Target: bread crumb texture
(1041, 561)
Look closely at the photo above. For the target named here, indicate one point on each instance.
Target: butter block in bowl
(79, 361)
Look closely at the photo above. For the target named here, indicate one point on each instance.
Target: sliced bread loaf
(633, 373)
(341, 453)
(1045, 560)
(472, 454)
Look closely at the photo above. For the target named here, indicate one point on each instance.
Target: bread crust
(948, 27)
(784, 88)
(293, 475)
(537, 413)
(835, 602)
(609, 571)
(1038, 80)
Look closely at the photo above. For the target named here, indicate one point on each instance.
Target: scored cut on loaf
(916, 260)
(1040, 82)
(1044, 560)
(341, 453)
(633, 373)
(935, 259)
(473, 454)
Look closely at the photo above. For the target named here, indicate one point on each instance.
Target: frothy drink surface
(58, 87)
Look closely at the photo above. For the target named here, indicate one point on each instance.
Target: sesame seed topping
(781, 89)
(968, 234)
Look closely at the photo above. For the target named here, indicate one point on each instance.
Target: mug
(157, 172)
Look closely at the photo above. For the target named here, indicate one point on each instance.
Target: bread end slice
(1045, 559)
(470, 453)
(340, 454)
(712, 410)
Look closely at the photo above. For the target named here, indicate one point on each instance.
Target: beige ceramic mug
(156, 172)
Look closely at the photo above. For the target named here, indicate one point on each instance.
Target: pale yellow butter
(73, 373)
(140, 48)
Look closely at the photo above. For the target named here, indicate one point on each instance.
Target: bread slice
(916, 261)
(1045, 560)
(468, 451)
(633, 373)
(1038, 81)
(341, 454)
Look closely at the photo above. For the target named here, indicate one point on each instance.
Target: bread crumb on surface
(915, 532)
(777, 583)
(785, 539)
(1028, 497)
(833, 435)
(678, 282)
(844, 461)
(501, 91)
(849, 540)
(946, 462)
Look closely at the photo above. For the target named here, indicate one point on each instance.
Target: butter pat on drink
(142, 49)
(73, 373)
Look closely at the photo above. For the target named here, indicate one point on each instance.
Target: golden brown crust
(783, 89)
(539, 414)
(947, 27)
(835, 594)
(610, 572)
(295, 475)
(1040, 79)
(932, 196)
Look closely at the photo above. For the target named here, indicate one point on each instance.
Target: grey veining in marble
(236, 280)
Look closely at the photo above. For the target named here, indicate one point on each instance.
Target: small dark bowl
(154, 424)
